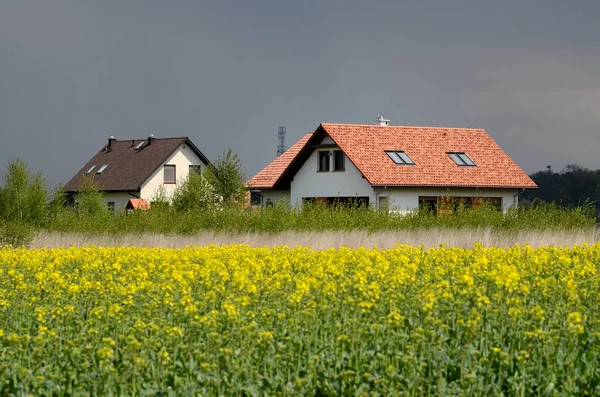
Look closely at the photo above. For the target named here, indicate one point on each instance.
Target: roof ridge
(143, 139)
(406, 126)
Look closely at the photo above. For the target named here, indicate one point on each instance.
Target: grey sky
(228, 73)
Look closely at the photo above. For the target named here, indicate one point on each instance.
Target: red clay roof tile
(271, 173)
(365, 146)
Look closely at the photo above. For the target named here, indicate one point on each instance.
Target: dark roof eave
(107, 191)
(197, 151)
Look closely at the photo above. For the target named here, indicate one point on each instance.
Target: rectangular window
(428, 204)
(91, 169)
(111, 207)
(196, 168)
(384, 203)
(338, 160)
(494, 202)
(139, 145)
(400, 157)
(169, 173)
(101, 170)
(461, 159)
(256, 198)
(323, 161)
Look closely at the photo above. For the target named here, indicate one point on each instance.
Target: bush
(24, 196)
(16, 234)
(196, 193)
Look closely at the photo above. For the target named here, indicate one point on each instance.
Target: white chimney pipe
(382, 121)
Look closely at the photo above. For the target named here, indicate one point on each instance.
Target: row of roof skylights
(401, 158)
(100, 170)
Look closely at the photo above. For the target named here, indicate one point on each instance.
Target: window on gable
(338, 160)
(323, 161)
(169, 173)
(399, 157)
(91, 169)
(101, 169)
(461, 159)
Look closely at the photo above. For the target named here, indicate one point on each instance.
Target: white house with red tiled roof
(393, 167)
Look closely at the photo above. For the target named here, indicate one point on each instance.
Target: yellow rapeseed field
(237, 320)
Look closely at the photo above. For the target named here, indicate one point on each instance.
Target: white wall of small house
(182, 158)
(404, 199)
(119, 199)
(308, 182)
(275, 196)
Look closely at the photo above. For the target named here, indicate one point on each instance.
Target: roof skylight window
(101, 170)
(399, 157)
(139, 145)
(91, 169)
(461, 159)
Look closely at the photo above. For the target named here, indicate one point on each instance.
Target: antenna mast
(281, 137)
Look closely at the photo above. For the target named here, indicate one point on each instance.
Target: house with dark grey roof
(400, 167)
(139, 168)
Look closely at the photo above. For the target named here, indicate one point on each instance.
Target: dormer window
(461, 159)
(399, 157)
(323, 161)
(101, 169)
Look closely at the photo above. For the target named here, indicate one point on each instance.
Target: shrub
(24, 196)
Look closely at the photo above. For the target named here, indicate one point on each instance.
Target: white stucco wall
(407, 198)
(182, 158)
(308, 182)
(120, 199)
(274, 196)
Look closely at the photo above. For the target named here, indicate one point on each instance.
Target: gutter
(515, 197)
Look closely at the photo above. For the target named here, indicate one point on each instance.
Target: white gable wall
(308, 182)
(182, 158)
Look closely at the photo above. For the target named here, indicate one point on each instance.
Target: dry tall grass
(465, 238)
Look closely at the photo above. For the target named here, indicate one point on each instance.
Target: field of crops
(256, 321)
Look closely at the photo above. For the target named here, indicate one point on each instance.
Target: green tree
(160, 201)
(89, 198)
(58, 201)
(227, 178)
(24, 197)
(194, 193)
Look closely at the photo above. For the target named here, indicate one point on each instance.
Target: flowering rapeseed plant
(237, 320)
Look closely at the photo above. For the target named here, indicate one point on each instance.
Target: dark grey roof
(128, 168)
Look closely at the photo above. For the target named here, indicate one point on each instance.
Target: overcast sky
(228, 73)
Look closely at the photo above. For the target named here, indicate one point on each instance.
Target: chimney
(111, 140)
(151, 139)
(382, 121)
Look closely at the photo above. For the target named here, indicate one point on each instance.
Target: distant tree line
(572, 187)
